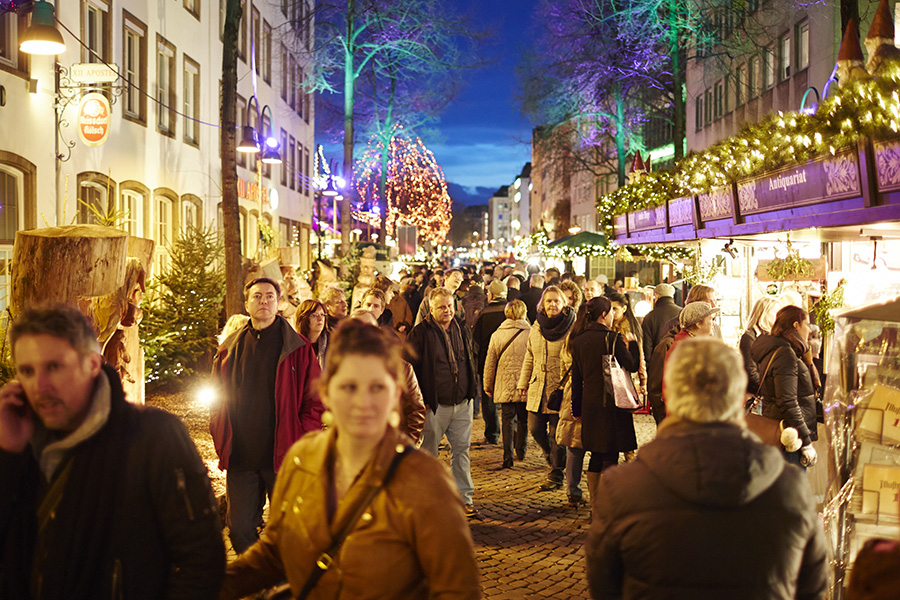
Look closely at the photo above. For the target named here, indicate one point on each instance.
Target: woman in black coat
(605, 429)
(787, 387)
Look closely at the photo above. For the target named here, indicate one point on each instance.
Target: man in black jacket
(532, 297)
(445, 367)
(485, 325)
(664, 310)
(100, 498)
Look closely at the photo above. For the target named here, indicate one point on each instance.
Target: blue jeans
(246, 491)
(456, 423)
(543, 430)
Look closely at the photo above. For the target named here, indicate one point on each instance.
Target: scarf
(555, 328)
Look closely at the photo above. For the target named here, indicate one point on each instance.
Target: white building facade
(160, 166)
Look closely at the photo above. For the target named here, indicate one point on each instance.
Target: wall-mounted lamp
(42, 36)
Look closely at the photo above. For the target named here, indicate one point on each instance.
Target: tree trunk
(849, 10)
(349, 89)
(620, 136)
(678, 116)
(231, 223)
(70, 264)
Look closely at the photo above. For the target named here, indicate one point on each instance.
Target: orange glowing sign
(94, 118)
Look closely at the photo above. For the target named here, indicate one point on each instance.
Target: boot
(593, 480)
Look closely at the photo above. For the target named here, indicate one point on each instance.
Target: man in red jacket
(266, 371)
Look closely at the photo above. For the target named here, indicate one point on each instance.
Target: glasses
(317, 316)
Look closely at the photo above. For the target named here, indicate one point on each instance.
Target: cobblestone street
(529, 543)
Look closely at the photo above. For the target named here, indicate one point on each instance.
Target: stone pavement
(529, 543)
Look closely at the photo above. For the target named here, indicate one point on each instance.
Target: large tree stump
(100, 270)
(70, 264)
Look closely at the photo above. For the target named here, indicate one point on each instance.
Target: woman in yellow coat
(412, 539)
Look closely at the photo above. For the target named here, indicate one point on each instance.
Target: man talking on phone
(99, 498)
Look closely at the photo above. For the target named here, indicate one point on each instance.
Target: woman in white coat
(506, 352)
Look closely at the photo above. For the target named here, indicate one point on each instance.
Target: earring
(394, 419)
(327, 419)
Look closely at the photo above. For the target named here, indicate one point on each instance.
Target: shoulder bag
(765, 428)
(508, 344)
(623, 390)
(326, 559)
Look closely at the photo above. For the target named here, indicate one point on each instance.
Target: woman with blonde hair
(357, 512)
(541, 375)
(506, 352)
(760, 321)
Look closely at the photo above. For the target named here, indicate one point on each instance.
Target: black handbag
(554, 400)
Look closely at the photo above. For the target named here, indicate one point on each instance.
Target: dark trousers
(543, 430)
(491, 420)
(246, 491)
(514, 428)
(602, 460)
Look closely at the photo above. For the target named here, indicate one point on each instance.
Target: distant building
(502, 208)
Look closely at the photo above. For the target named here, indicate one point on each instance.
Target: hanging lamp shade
(42, 36)
(249, 143)
(270, 155)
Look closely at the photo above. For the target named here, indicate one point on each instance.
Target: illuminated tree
(415, 188)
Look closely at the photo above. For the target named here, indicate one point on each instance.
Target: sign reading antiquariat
(94, 117)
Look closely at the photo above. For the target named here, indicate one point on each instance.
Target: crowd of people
(336, 415)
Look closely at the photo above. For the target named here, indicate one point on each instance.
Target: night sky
(484, 140)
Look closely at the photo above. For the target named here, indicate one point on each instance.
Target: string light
(856, 111)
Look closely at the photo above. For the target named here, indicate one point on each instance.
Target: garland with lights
(538, 243)
(856, 111)
(415, 189)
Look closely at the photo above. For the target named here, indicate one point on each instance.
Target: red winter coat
(298, 409)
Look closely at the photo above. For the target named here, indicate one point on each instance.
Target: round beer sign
(93, 119)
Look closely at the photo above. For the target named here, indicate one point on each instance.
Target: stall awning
(877, 311)
(582, 238)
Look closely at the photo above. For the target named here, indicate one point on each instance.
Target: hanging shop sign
(93, 73)
(94, 117)
(816, 181)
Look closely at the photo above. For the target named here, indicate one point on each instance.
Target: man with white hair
(706, 510)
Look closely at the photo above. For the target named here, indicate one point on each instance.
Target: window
(255, 39)
(165, 86)
(193, 7)
(134, 64)
(91, 201)
(10, 57)
(266, 63)
(252, 233)
(727, 94)
(191, 101)
(801, 37)
(784, 57)
(768, 77)
(239, 118)
(285, 73)
(283, 149)
(740, 85)
(164, 228)
(718, 94)
(292, 85)
(289, 164)
(11, 198)
(242, 34)
(707, 107)
(698, 113)
(753, 77)
(306, 183)
(95, 31)
(190, 212)
(132, 204)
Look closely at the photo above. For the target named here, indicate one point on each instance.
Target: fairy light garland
(538, 243)
(415, 188)
(857, 110)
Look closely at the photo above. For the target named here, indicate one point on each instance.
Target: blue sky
(484, 139)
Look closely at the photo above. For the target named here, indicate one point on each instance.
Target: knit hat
(601, 278)
(498, 289)
(695, 312)
(664, 289)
